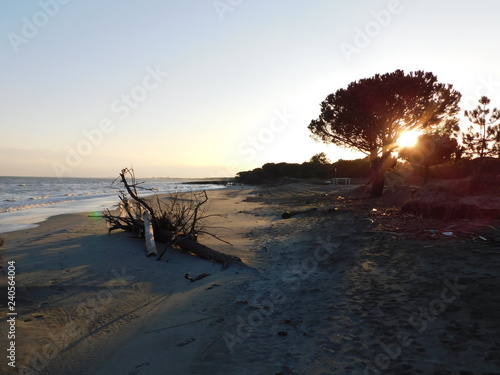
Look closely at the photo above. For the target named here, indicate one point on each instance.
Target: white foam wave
(37, 198)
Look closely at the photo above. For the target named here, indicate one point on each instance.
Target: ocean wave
(38, 198)
(31, 206)
(44, 201)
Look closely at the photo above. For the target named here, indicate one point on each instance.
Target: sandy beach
(324, 292)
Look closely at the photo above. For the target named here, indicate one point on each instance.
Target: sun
(408, 138)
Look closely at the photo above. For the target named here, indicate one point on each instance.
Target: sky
(208, 88)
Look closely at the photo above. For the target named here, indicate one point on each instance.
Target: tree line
(318, 167)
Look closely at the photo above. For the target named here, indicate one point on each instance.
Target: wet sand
(324, 293)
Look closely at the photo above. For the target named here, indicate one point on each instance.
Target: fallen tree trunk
(205, 252)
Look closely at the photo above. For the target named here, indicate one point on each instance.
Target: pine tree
(483, 136)
(371, 114)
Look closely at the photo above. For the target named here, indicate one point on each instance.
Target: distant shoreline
(211, 181)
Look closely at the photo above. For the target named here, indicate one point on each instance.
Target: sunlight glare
(408, 138)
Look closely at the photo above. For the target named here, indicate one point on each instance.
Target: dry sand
(323, 293)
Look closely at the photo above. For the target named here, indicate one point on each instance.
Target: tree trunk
(478, 178)
(426, 174)
(378, 178)
(378, 184)
(379, 166)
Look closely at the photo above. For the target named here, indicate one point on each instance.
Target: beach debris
(175, 219)
(241, 297)
(289, 214)
(139, 368)
(212, 286)
(213, 342)
(242, 300)
(149, 235)
(207, 253)
(333, 209)
(295, 325)
(199, 277)
(448, 234)
(286, 370)
(187, 342)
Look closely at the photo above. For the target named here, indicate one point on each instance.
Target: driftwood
(199, 277)
(175, 222)
(207, 253)
(289, 214)
(149, 235)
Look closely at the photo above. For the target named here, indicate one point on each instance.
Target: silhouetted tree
(431, 149)
(483, 137)
(370, 115)
(320, 159)
(352, 168)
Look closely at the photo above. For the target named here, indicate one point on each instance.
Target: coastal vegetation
(318, 167)
(406, 124)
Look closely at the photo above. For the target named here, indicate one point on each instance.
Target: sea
(27, 201)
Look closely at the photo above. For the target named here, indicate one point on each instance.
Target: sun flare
(408, 138)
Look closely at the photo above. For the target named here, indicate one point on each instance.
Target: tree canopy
(372, 113)
(320, 158)
(431, 149)
(483, 137)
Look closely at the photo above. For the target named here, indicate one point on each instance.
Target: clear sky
(195, 88)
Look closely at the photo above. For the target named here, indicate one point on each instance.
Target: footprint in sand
(187, 342)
